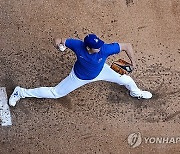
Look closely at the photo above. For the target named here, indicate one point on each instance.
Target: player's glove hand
(122, 67)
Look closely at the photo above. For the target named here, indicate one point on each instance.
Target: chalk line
(5, 114)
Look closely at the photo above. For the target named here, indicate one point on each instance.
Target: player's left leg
(110, 75)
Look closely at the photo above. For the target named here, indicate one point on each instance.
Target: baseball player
(90, 66)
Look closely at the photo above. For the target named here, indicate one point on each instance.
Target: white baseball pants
(72, 82)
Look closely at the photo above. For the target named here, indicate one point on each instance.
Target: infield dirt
(98, 117)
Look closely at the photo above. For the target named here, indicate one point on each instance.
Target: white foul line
(5, 114)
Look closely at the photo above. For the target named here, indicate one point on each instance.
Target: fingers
(56, 42)
(132, 68)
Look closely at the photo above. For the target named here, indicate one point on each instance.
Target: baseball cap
(92, 41)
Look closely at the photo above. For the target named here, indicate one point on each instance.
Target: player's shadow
(117, 94)
(65, 102)
(120, 95)
(45, 102)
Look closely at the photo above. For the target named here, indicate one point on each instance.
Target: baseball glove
(122, 67)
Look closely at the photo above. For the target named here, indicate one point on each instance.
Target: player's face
(95, 50)
(91, 50)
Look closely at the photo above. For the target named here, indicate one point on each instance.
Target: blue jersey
(88, 66)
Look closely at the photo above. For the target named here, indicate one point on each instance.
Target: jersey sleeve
(72, 44)
(113, 48)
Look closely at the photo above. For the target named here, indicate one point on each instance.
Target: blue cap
(92, 41)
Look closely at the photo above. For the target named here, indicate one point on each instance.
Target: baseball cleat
(15, 97)
(141, 94)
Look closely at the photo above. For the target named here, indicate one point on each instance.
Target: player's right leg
(66, 86)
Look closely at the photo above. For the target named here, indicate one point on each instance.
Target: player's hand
(58, 44)
(131, 68)
(122, 67)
